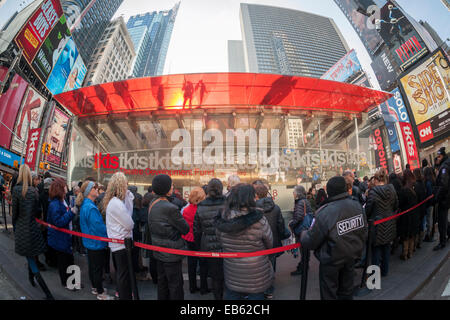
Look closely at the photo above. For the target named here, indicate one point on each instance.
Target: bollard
(305, 267)
(129, 247)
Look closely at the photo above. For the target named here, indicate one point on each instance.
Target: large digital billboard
(29, 118)
(53, 55)
(400, 36)
(9, 107)
(344, 69)
(427, 89)
(56, 136)
(385, 70)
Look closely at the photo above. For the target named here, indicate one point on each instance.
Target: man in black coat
(338, 236)
(166, 225)
(442, 197)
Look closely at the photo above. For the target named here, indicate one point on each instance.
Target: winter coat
(188, 215)
(166, 225)
(421, 192)
(339, 232)
(119, 222)
(204, 229)
(382, 203)
(91, 222)
(442, 195)
(429, 189)
(272, 212)
(60, 216)
(408, 224)
(28, 238)
(246, 231)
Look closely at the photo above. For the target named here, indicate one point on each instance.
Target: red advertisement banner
(32, 147)
(38, 27)
(410, 145)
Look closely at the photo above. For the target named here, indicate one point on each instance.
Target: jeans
(273, 261)
(380, 257)
(215, 267)
(192, 270)
(64, 260)
(233, 295)
(427, 221)
(122, 274)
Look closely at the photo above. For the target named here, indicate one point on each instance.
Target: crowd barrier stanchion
(368, 259)
(129, 248)
(305, 254)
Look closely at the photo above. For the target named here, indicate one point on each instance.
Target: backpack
(305, 224)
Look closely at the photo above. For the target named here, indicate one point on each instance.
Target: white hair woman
(118, 205)
(27, 234)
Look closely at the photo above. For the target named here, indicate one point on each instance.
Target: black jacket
(28, 238)
(381, 203)
(179, 203)
(204, 229)
(408, 224)
(246, 231)
(302, 206)
(272, 212)
(442, 195)
(166, 225)
(421, 193)
(339, 232)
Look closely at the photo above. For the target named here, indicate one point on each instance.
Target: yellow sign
(427, 88)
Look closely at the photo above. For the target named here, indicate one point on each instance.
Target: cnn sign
(32, 146)
(425, 132)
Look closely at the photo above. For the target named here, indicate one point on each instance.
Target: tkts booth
(288, 130)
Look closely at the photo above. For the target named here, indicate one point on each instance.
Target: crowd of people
(332, 220)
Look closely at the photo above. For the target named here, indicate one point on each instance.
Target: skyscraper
(151, 33)
(291, 42)
(113, 57)
(87, 21)
(236, 60)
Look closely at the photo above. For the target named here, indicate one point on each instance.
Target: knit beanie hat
(336, 185)
(161, 184)
(441, 151)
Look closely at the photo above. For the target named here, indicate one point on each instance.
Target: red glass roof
(219, 90)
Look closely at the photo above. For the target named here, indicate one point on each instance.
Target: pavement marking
(446, 292)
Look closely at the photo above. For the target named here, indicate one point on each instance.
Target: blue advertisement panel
(76, 76)
(8, 158)
(344, 69)
(395, 107)
(63, 66)
(392, 135)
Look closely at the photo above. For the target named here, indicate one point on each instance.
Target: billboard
(29, 117)
(9, 107)
(400, 36)
(362, 14)
(427, 89)
(56, 136)
(8, 158)
(38, 27)
(384, 70)
(344, 69)
(76, 76)
(75, 10)
(32, 147)
(53, 55)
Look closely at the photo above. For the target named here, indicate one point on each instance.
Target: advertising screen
(384, 70)
(400, 36)
(29, 118)
(75, 10)
(56, 135)
(427, 90)
(362, 15)
(344, 69)
(38, 27)
(76, 76)
(9, 107)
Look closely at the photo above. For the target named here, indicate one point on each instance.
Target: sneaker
(117, 295)
(268, 296)
(104, 296)
(94, 291)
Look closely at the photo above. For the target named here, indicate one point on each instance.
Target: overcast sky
(202, 28)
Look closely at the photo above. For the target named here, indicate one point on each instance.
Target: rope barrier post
(305, 254)
(368, 251)
(129, 248)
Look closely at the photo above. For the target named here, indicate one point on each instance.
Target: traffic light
(16, 164)
(41, 165)
(44, 166)
(43, 147)
(49, 148)
(47, 166)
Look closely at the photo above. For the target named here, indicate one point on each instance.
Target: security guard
(442, 196)
(338, 236)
